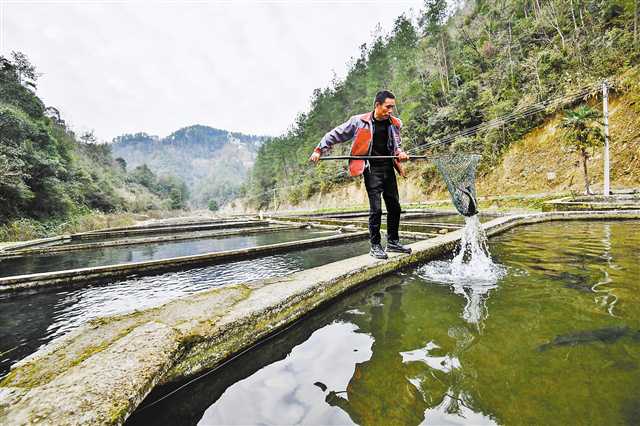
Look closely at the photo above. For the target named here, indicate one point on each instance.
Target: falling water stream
(471, 273)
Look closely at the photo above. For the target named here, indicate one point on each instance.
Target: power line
(508, 118)
(518, 114)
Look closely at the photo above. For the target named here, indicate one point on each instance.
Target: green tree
(463, 64)
(213, 205)
(175, 189)
(582, 131)
(122, 163)
(50, 174)
(144, 176)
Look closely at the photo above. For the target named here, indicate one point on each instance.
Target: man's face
(385, 109)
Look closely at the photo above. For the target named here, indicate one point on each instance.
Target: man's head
(384, 104)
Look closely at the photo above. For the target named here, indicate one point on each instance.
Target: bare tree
(553, 17)
(88, 137)
(635, 21)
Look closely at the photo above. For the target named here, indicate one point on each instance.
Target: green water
(556, 341)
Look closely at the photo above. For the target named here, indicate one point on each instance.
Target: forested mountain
(455, 69)
(213, 163)
(48, 173)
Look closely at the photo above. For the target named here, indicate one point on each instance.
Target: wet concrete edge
(147, 240)
(195, 333)
(80, 276)
(167, 230)
(409, 227)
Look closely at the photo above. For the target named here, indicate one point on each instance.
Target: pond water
(30, 320)
(449, 219)
(138, 253)
(555, 340)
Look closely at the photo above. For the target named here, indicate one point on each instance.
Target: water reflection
(414, 386)
(401, 350)
(345, 370)
(454, 410)
(30, 320)
(287, 390)
(365, 398)
(605, 296)
(59, 261)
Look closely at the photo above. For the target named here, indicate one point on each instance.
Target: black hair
(382, 96)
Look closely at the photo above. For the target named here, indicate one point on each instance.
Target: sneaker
(395, 246)
(378, 252)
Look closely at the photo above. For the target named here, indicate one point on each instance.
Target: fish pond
(551, 337)
(30, 320)
(93, 257)
(455, 219)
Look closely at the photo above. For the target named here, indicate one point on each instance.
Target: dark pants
(381, 180)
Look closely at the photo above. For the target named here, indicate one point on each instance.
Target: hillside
(453, 70)
(48, 174)
(540, 162)
(213, 163)
(537, 163)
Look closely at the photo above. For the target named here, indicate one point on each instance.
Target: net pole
(605, 113)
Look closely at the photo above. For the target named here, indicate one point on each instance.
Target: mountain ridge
(213, 163)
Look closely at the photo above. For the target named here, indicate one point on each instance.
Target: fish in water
(393, 287)
(605, 335)
(580, 287)
(578, 282)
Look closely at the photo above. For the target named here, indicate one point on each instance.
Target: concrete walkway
(99, 373)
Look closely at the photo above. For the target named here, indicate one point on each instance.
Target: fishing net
(459, 173)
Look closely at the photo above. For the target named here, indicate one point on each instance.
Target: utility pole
(275, 206)
(605, 113)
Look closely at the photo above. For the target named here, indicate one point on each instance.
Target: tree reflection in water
(405, 387)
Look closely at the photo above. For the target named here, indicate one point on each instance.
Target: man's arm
(342, 133)
(399, 152)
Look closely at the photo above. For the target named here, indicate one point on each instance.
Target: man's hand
(403, 156)
(315, 157)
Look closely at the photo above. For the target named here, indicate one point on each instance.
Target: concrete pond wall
(591, 203)
(133, 231)
(142, 240)
(69, 277)
(99, 373)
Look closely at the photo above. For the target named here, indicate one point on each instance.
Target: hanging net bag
(459, 173)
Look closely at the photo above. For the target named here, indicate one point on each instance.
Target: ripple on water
(140, 293)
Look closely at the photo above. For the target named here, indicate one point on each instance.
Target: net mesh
(459, 173)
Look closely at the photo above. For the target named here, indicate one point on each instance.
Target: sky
(249, 66)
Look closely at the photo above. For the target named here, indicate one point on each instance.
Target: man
(375, 133)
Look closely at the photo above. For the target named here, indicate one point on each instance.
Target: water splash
(471, 273)
(606, 298)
